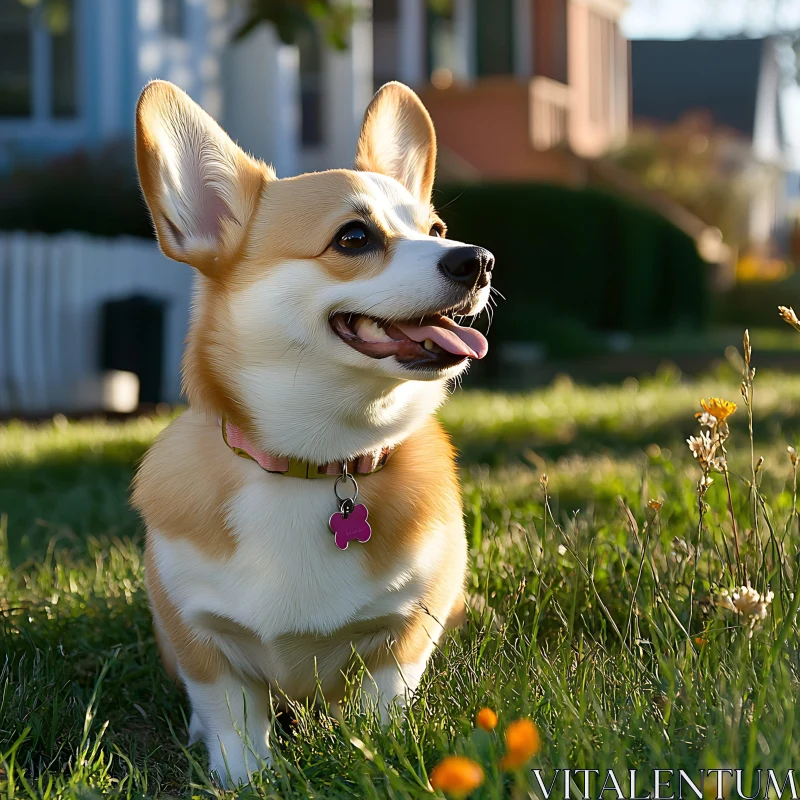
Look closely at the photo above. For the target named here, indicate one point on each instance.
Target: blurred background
(633, 164)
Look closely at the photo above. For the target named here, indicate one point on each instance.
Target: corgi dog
(303, 514)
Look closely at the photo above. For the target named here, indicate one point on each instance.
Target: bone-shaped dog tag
(350, 524)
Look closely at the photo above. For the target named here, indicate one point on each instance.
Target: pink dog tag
(350, 526)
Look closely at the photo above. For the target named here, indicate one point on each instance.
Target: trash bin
(132, 331)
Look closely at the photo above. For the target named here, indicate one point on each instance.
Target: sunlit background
(635, 167)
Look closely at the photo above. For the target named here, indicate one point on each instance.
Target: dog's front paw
(389, 689)
(232, 762)
(196, 732)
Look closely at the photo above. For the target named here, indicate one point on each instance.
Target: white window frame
(41, 123)
(175, 38)
(523, 39)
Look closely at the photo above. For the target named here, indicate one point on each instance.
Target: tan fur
(294, 664)
(416, 491)
(180, 646)
(183, 484)
(291, 219)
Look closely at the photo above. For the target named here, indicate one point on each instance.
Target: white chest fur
(286, 575)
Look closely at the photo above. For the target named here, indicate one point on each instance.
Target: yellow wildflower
(522, 742)
(718, 408)
(457, 776)
(486, 719)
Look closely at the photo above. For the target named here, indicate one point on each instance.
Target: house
(740, 86)
(527, 89)
(514, 86)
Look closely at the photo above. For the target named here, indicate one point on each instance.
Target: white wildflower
(707, 420)
(682, 549)
(747, 602)
(706, 481)
(789, 316)
(703, 447)
(752, 604)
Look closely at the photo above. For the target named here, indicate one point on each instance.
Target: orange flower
(522, 742)
(700, 641)
(718, 408)
(486, 719)
(457, 776)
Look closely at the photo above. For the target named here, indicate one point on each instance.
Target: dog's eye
(353, 236)
(437, 230)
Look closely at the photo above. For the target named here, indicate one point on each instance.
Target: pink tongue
(450, 336)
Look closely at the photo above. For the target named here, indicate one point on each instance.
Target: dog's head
(334, 279)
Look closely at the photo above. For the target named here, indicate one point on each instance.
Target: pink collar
(295, 467)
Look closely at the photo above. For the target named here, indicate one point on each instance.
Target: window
(494, 33)
(173, 18)
(385, 41)
(441, 39)
(63, 72)
(38, 54)
(311, 108)
(550, 34)
(16, 59)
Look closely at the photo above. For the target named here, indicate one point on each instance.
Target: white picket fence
(51, 292)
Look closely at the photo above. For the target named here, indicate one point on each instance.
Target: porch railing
(549, 112)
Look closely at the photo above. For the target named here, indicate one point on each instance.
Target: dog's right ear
(201, 188)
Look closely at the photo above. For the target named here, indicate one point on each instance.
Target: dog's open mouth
(436, 341)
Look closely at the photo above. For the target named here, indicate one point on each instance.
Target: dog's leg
(391, 684)
(195, 729)
(234, 718)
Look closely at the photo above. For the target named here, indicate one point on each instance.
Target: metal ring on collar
(342, 478)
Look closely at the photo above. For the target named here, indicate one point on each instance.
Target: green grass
(582, 613)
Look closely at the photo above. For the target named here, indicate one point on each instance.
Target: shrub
(754, 303)
(579, 259)
(93, 192)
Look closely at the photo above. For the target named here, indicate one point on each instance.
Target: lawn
(591, 606)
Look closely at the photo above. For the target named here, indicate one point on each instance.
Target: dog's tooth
(369, 330)
(428, 344)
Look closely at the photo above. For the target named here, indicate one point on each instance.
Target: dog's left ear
(397, 139)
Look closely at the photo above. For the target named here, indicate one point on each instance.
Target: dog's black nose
(467, 265)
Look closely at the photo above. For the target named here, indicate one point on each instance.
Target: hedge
(570, 262)
(94, 192)
(575, 262)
